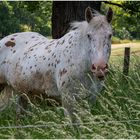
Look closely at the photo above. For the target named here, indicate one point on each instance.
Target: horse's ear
(88, 14)
(109, 15)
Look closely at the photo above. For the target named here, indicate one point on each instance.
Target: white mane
(80, 26)
(98, 21)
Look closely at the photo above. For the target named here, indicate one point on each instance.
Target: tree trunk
(64, 12)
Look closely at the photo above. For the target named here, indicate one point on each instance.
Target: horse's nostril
(103, 68)
(106, 67)
(93, 67)
(101, 77)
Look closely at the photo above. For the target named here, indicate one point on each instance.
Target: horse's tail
(5, 96)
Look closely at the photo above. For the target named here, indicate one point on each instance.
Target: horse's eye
(110, 35)
(89, 36)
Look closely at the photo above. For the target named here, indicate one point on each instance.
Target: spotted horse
(30, 63)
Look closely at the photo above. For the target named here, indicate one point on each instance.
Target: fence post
(126, 61)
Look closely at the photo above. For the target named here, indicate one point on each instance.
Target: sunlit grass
(118, 49)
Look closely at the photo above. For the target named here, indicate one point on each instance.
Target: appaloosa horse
(30, 63)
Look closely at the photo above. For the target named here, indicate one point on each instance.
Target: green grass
(116, 40)
(109, 117)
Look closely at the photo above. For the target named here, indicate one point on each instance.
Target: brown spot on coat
(63, 41)
(52, 41)
(63, 83)
(3, 62)
(46, 47)
(10, 44)
(58, 61)
(14, 51)
(12, 38)
(62, 72)
(49, 51)
(70, 38)
(15, 35)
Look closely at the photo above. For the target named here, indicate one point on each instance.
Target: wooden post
(126, 61)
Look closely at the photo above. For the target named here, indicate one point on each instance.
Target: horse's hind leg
(5, 95)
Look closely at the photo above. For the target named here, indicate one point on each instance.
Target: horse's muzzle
(100, 75)
(100, 71)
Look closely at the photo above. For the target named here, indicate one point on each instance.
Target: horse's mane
(82, 25)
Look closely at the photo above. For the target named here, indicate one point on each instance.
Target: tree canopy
(126, 19)
(19, 16)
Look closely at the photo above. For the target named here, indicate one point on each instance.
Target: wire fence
(66, 124)
(132, 54)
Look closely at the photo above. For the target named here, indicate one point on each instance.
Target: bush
(115, 40)
(122, 33)
(125, 41)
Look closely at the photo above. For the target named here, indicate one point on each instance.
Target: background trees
(18, 16)
(126, 19)
(64, 12)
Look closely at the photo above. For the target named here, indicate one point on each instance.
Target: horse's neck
(80, 50)
(82, 44)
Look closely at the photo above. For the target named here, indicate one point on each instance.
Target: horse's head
(99, 34)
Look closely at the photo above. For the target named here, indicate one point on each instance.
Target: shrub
(115, 40)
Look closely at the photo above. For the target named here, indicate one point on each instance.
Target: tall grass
(109, 117)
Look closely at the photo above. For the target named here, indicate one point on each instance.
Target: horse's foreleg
(22, 103)
(70, 104)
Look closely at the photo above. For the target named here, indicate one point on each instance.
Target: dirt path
(118, 49)
(125, 45)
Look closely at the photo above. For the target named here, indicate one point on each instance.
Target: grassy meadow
(116, 113)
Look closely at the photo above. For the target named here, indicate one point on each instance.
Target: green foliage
(133, 7)
(115, 40)
(21, 16)
(129, 19)
(126, 19)
(18, 16)
(122, 33)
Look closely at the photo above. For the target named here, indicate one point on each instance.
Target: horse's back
(13, 47)
(21, 39)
